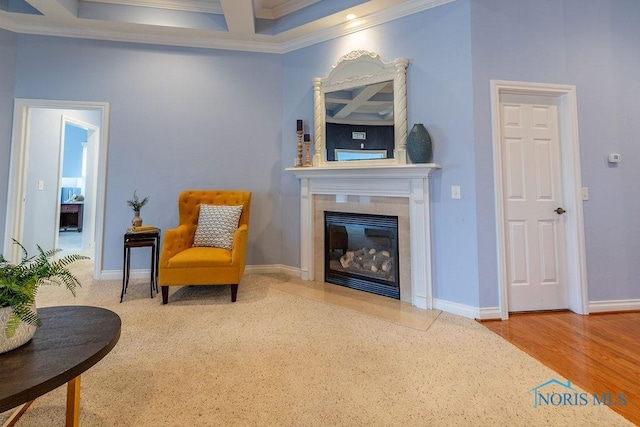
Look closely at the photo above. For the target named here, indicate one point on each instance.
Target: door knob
(559, 211)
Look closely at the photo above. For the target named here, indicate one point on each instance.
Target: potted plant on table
(137, 204)
(19, 285)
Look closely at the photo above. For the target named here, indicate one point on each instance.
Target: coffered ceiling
(275, 26)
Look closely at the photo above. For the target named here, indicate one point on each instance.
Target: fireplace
(361, 252)
(400, 190)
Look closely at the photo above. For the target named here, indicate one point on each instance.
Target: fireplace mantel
(422, 170)
(409, 181)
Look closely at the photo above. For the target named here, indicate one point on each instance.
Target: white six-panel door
(532, 190)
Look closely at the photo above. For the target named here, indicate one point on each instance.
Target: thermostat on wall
(615, 158)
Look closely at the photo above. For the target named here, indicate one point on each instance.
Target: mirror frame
(355, 69)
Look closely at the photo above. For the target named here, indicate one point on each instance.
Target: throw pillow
(216, 225)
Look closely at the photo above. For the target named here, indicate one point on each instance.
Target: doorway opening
(77, 185)
(563, 97)
(35, 175)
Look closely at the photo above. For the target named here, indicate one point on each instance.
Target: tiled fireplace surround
(398, 190)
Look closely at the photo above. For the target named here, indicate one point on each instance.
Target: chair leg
(234, 292)
(165, 294)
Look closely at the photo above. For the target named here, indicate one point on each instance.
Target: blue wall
(185, 118)
(74, 136)
(455, 50)
(7, 75)
(437, 44)
(594, 45)
(180, 118)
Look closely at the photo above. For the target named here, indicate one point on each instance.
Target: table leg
(73, 402)
(128, 269)
(152, 283)
(124, 272)
(13, 419)
(157, 259)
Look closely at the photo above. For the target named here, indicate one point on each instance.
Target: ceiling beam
(57, 9)
(360, 99)
(239, 15)
(202, 6)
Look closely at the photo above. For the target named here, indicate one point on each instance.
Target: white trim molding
(143, 273)
(565, 99)
(469, 311)
(14, 224)
(614, 305)
(463, 310)
(272, 269)
(306, 34)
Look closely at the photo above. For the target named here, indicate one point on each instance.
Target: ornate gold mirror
(361, 112)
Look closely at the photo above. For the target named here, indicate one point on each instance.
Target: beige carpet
(278, 359)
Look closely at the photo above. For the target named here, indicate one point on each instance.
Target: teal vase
(419, 146)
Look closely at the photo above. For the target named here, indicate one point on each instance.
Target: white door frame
(565, 98)
(14, 224)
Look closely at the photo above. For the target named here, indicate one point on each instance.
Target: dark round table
(71, 340)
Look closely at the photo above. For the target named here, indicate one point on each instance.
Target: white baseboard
(272, 268)
(144, 273)
(487, 313)
(471, 312)
(456, 308)
(117, 274)
(614, 305)
(490, 313)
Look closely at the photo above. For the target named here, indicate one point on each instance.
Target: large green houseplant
(19, 284)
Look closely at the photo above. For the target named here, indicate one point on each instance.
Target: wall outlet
(585, 193)
(455, 191)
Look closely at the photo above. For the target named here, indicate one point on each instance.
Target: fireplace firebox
(361, 252)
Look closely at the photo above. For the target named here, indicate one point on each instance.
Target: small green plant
(19, 283)
(135, 203)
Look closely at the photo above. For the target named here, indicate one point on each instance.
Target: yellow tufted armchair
(183, 264)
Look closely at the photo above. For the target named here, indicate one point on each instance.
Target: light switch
(455, 191)
(40, 185)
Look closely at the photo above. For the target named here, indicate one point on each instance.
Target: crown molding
(7, 23)
(370, 21)
(282, 43)
(182, 40)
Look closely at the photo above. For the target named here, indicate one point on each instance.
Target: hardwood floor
(599, 353)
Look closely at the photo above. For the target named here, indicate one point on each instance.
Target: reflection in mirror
(360, 111)
(359, 121)
(346, 155)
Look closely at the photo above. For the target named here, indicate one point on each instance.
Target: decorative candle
(307, 137)
(299, 125)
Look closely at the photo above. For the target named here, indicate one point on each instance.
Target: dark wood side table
(71, 216)
(71, 340)
(140, 239)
